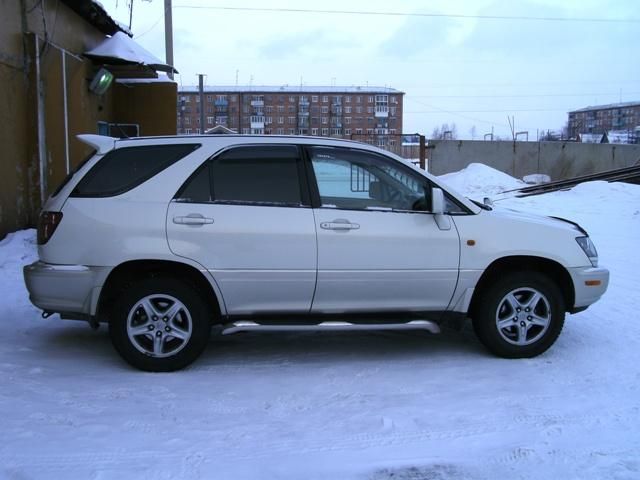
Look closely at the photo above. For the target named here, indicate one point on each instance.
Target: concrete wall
(152, 105)
(557, 159)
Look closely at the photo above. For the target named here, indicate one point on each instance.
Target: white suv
(162, 238)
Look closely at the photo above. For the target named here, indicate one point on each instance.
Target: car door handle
(339, 224)
(192, 219)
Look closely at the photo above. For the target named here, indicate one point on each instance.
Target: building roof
(607, 106)
(95, 14)
(289, 89)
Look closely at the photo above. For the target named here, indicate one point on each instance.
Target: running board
(249, 326)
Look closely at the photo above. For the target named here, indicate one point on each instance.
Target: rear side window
(125, 168)
(261, 175)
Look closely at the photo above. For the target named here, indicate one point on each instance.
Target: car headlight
(589, 249)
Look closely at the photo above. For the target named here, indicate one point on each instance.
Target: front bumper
(65, 289)
(590, 283)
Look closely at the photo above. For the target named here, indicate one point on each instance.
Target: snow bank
(478, 180)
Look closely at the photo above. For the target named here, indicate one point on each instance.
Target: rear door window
(255, 175)
(125, 168)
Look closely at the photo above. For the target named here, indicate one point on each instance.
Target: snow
(478, 180)
(121, 47)
(361, 405)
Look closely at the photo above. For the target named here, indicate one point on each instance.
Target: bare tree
(473, 132)
(445, 132)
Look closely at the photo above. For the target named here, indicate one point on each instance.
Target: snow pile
(478, 181)
(363, 405)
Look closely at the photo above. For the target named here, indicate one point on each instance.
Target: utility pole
(168, 34)
(201, 91)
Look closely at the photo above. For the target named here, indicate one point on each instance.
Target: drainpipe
(42, 145)
(66, 111)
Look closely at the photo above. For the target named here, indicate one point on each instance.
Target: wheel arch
(517, 263)
(134, 270)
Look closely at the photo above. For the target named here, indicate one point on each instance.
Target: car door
(379, 248)
(245, 217)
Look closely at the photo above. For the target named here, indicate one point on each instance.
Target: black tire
(152, 297)
(521, 333)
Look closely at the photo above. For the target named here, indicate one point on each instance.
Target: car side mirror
(437, 201)
(438, 209)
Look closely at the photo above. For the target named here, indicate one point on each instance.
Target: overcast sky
(467, 71)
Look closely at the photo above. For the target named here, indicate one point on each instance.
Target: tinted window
(263, 174)
(355, 180)
(197, 189)
(72, 173)
(125, 168)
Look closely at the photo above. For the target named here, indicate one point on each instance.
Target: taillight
(47, 224)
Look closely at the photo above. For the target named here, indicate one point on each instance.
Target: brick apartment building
(373, 114)
(601, 119)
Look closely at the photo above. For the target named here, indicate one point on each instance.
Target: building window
(280, 120)
(280, 108)
(210, 120)
(187, 120)
(269, 120)
(325, 131)
(280, 131)
(370, 99)
(325, 98)
(268, 109)
(358, 99)
(292, 120)
(314, 98)
(187, 131)
(292, 131)
(292, 109)
(347, 99)
(325, 109)
(246, 131)
(347, 120)
(359, 110)
(292, 98)
(325, 120)
(369, 109)
(369, 131)
(347, 109)
(314, 131)
(358, 131)
(335, 131)
(347, 131)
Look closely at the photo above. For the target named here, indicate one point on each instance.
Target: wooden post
(423, 153)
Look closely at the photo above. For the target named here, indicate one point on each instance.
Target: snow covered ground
(337, 406)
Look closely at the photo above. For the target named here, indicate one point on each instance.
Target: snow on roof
(95, 14)
(123, 49)
(618, 136)
(289, 89)
(607, 106)
(591, 137)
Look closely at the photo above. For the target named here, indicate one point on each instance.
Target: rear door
(246, 217)
(379, 247)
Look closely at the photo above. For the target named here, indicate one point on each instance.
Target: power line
(412, 14)
(494, 111)
(525, 96)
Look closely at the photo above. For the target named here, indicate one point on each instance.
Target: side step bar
(249, 326)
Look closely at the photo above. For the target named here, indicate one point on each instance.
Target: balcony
(257, 121)
(382, 111)
(221, 103)
(304, 102)
(257, 103)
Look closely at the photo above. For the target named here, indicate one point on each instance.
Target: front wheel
(160, 325)
(520, 316)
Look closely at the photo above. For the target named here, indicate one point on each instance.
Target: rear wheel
(160, 325)
(520, 316)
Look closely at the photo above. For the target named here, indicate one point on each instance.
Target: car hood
(557, 222)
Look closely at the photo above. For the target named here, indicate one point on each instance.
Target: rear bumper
(69, 289)
(590, 283)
